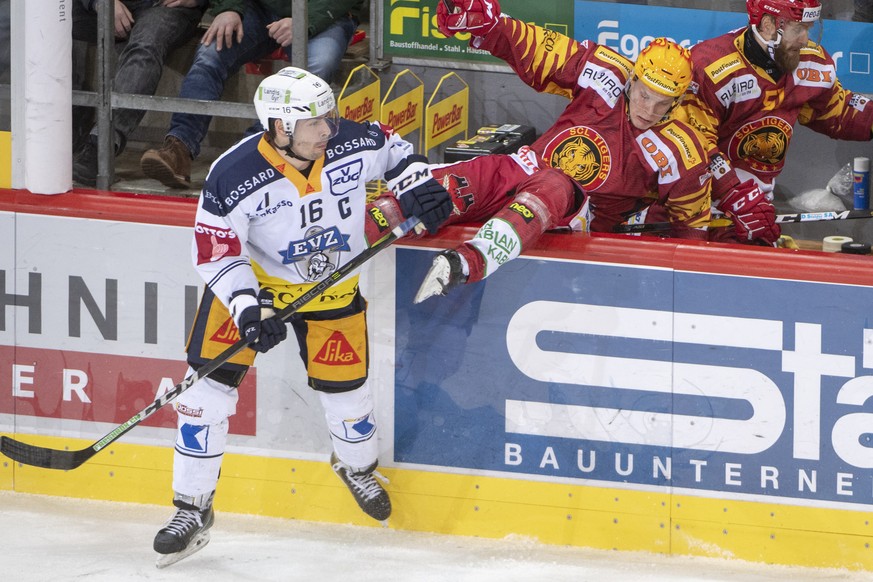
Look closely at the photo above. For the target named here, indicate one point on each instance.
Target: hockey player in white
(279, 212)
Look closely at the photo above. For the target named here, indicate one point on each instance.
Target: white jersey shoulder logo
(739, 89)
(604, 81)
(659, 157)
(345, 177)
(812, 74)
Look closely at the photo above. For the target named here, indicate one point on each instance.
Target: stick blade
(41, 456)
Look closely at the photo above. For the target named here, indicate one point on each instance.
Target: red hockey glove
(477, 17)
(383, 214)
(753, 215)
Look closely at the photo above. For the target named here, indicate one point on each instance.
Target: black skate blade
(197, 543)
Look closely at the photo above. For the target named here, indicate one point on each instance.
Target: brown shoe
(170, 164)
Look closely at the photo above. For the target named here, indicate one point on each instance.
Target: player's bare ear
(767, 28)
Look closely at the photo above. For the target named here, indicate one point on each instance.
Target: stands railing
(105, 99)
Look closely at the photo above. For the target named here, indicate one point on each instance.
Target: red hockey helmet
(795, 10)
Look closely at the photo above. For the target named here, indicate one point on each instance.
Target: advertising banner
(640, 377)
(91, 335)
(411, 28)
(599, 391)
(404, 112)
(363, 102)
(101, 388)
(449, 116)
(629, 28)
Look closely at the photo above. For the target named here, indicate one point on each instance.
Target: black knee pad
(335, 387)
(230, 377)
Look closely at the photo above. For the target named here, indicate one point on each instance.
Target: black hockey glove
(419, 194)
(429, 202)
(259, 325)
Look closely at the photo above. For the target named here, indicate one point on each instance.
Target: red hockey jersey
(622, 168)
(749, 117)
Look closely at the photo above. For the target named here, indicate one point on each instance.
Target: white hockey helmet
(293, 94)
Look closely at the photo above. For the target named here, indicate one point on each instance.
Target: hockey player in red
(611, 153)
(750, 87)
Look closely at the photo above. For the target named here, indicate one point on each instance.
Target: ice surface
(55, 539)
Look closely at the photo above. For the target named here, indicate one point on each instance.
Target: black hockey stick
(65, 459)
(822, 216)
(780, 219)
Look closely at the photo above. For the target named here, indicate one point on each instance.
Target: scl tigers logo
(762, 144)
(582, 154)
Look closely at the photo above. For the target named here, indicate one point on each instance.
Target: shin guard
(543, 198)
(201, 436)
(352, 426)
(197, 458)
(504, 236)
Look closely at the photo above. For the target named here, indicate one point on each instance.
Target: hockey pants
(344, 391)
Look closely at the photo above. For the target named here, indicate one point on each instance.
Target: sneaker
(185, 533)
(445, 273)
(368, 492)
(85, 165)
(170, 164)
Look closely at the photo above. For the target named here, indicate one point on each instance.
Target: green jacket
(322, 13)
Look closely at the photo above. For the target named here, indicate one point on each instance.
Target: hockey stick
(48, 458)
(780, 219)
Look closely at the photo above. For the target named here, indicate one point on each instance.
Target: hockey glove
(754, 217)
(383, 214)
(419, 194)
(477, 17)
(257, 321)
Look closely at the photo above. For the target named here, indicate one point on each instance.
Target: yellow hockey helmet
(664, 67)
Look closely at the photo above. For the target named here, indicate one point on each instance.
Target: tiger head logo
(765, 146)
(577, 160)
(761, 144)
(582, 154)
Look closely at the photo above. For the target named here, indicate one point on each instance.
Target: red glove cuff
(476, 17)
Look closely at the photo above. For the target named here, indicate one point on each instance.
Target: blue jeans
(211, 67)
(156, 32)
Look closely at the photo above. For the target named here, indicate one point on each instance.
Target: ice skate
(185, 533)
(368, 492)
(445, 273)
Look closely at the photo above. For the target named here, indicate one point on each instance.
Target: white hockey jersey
(261, 223)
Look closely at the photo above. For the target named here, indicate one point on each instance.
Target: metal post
(377, 14)
(105, 72)
(300, 34)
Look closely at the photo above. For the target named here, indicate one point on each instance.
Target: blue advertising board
(629, 28)
(640, 376)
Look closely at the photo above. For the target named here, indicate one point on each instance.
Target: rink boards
(600, 391)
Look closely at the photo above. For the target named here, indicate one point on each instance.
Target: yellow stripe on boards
(469, 505)
(5, 159)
